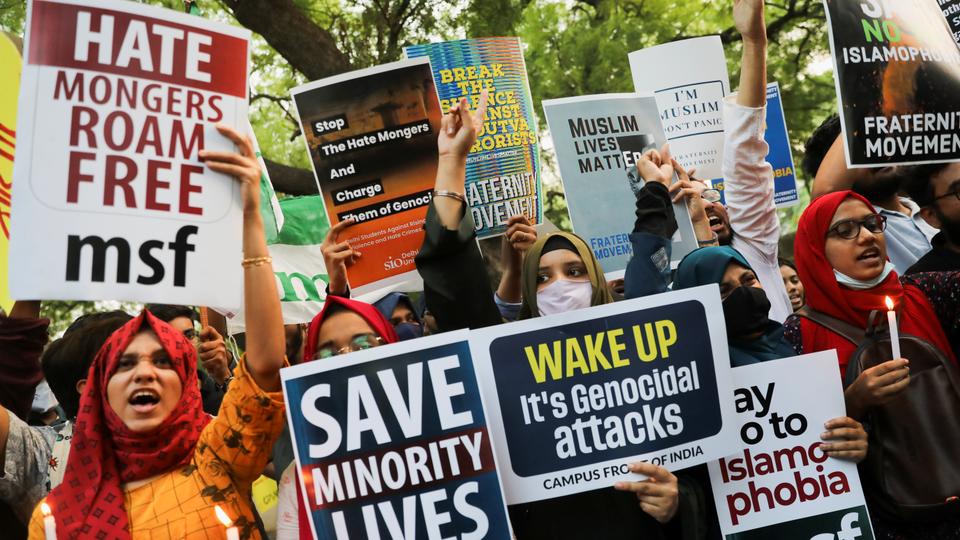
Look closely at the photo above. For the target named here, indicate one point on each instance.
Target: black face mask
(746, 311)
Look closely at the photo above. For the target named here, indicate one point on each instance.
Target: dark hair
(917, 181)
(169, 312)
(67, 360)
(818, 144)
(786, 262)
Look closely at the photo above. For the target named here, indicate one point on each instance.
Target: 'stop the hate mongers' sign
(111, 199)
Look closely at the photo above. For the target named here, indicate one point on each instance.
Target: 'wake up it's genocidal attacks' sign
(111, 200)
(392, 442)
(572, 399)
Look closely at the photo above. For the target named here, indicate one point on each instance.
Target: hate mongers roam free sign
(111, 200)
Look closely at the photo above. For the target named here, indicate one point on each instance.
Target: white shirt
(748, 189)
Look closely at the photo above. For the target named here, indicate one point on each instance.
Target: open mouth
(869, 255)
(716, 223)
(144, 401)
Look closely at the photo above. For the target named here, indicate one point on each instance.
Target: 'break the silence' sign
(392, 442)
(111, 200)
(574, 398)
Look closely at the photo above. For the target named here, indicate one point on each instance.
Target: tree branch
(291, 180)
(309, 49)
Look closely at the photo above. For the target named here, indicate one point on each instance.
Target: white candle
(49, 523)
(233, 533)
(894, 331)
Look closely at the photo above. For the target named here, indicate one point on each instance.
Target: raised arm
(453, 271)
(749, 20)
(265, 340)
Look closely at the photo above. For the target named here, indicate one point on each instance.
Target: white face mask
(856, 284)
(564, 295)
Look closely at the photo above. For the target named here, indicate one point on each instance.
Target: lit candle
(894, 331)
(49, 524)
(232, 532)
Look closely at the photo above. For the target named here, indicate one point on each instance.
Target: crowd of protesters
(156, 420)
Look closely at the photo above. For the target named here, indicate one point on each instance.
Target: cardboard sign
(781, 484)
(392, 442)
(598, 140)
(111, 200)
(897, 71)
(10, 64)
(690, 98)
(574, 398)
(372, 138)
(503, 167)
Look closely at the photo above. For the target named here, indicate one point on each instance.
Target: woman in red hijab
(145, 460)
(341, 327)
(842, 261)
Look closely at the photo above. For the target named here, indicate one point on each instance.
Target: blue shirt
(907, 237)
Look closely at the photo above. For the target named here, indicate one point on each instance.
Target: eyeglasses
(955, 193)
(711, 195)
(850, 228)
(359, 343)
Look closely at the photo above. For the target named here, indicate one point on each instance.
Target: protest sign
(951, 12)
(372, 138)
(392, 442)
(897, 72)
(781, 484)
(572, 399)
(690, 98)
(503, 167)
(598, 140)
(10, 63)
(110, 198)
(780, 155)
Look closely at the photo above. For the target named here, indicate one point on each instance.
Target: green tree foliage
(573, 47)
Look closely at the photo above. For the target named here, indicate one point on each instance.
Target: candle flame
(889, 303)
(45, 509)
(223, 517)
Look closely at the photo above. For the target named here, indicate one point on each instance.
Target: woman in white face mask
(561, 274)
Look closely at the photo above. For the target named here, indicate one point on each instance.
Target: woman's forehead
(851, 208)
(559, 256)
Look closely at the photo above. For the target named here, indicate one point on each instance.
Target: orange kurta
(231, 453)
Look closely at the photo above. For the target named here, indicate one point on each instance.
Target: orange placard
(372, 139)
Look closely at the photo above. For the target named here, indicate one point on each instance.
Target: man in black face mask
(907, 234)
(936, 188)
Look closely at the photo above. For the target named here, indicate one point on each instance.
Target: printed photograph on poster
(782, 484)
(897, 72)
(110, 197)
(392, 442)
(598, 140)
(573, 399)
(503, 167)
(690, 99)
(372, 139)
(780, 155)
